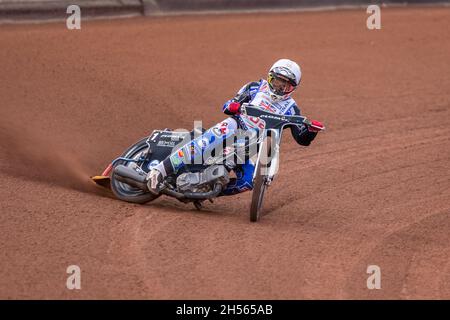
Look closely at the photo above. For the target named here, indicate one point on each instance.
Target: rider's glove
(314, 126)
(234, 107)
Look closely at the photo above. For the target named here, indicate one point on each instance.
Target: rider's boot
(154, 179)
(156, 175)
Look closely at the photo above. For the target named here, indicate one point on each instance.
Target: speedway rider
(273, 95)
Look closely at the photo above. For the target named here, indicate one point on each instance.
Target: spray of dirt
(36, 157)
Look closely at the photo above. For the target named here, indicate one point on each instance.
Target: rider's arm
(245, 94)
(301, 133)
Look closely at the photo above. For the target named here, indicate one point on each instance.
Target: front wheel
(259, 183)
(124, 191)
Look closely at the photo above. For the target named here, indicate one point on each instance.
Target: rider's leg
(244, 181)
(192, 152)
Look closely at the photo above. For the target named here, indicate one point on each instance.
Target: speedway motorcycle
(196, 183)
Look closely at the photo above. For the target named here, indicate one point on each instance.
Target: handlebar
(276, 119)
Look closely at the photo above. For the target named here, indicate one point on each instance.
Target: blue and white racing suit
(257, 94)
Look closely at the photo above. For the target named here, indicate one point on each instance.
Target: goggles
(280, 84)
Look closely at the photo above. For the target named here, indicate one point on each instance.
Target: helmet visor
(279, 84)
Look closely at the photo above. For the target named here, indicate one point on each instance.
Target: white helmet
(283, 78)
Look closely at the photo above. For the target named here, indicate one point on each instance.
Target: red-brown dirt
(373, 189)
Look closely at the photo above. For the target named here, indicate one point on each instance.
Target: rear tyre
(259, 183)
(124, 191)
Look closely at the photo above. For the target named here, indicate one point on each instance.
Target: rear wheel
(259, 183)
(124, 191)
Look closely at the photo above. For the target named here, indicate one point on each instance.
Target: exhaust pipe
(129, 176)
(133, 178)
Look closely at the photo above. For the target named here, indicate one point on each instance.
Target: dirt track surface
(372, 189)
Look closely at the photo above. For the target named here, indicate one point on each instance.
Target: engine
(203, 181)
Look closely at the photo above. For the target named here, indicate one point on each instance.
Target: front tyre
(124, 191)
(259, 183)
